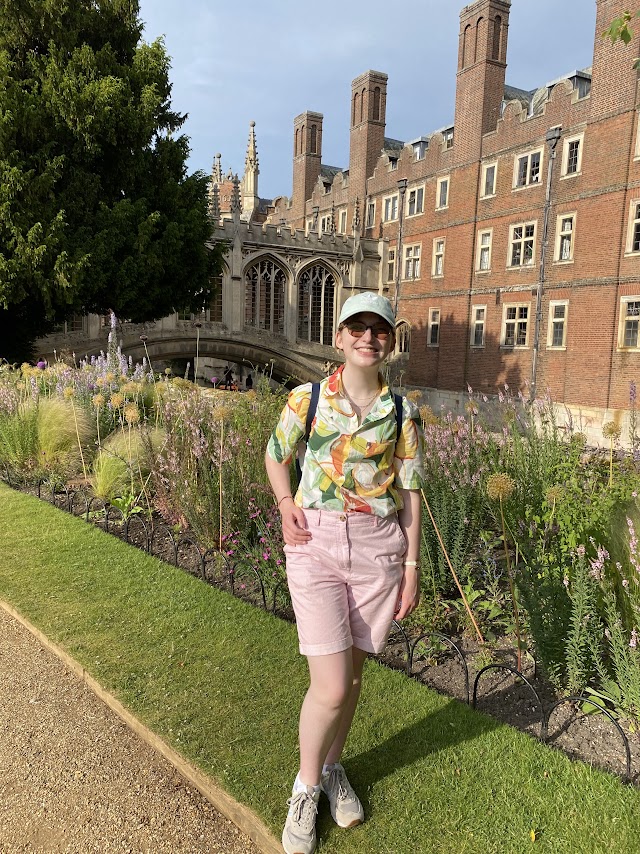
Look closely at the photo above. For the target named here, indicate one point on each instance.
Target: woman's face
(368, 350)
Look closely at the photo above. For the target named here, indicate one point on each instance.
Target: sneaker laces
(338, 780)
(303, 810)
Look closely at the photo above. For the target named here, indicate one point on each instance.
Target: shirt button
(343, 518)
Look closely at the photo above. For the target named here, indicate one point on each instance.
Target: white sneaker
(346, 809)
(299, 834)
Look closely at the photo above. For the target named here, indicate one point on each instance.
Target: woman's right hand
(294, 524)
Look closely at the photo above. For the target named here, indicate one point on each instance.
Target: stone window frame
(531, 179)
(411, 261)
(524, 240)
(370, 220)
(388, 206)
(419, 191)
(557, 321)
(633, 229)
(391, 264)
(565, 237)
(444, 180)
(629, 323)
(403, 338)
(481, 247)
(433, 326)
(485, 168)
(478, 323)
(566, 146)
(326, 301)
(437, 263)
(521, 317)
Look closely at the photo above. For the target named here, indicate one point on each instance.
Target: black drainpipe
(552, 138)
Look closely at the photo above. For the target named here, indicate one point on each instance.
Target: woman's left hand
(409, 593)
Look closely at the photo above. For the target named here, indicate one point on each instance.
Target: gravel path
(74, 778)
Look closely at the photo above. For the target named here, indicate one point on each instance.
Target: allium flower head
(611, 430)
(579, 439)
(554, 494)
(117, 400)
(98, 401)
(69, 392)
(427, 415)
(414, 396)
(131, 413)
(500, 486)
(110, 376)
(251, 395)
(221, 412)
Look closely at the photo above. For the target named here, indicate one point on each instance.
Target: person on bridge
(352, 545)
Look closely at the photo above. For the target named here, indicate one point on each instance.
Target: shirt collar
(334, 389)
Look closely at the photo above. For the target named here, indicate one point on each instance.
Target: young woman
(352, 544)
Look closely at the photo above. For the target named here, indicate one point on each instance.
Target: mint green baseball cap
(368, 301)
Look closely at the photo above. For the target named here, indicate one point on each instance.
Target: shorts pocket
(403, 539)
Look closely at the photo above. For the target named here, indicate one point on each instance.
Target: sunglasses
(357, 328)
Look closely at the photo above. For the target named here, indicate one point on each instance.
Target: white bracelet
(412, 563)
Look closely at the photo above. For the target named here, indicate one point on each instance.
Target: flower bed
(539, 530)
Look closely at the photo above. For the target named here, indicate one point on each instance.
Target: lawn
(222, 681)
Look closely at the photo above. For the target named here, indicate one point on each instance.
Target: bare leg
(332, 681)
(335, 751)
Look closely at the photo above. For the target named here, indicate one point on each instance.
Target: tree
(97, 211)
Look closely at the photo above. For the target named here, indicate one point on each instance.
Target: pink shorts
(344, 582)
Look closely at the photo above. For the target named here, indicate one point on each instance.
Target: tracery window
(265, 288)
(316, 299)
(403, 337)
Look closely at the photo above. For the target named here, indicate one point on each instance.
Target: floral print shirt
(350, 466)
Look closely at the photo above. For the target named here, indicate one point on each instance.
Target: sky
(236, 61)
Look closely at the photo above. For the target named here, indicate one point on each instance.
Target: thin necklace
(364, 400)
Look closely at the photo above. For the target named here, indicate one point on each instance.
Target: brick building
(511, 240)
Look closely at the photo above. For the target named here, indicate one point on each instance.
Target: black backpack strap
(311, 414)
(398, 402)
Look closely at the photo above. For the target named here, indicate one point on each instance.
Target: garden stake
(481, 640)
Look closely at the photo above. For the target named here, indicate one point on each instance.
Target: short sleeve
(409, 454)
(291, 425)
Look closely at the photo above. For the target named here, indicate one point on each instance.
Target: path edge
(243, 817)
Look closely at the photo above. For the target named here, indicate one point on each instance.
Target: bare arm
(410, 518)
(294, 523)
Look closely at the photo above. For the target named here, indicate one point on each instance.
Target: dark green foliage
(457, 516)
(619, 668)
(96, 209)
